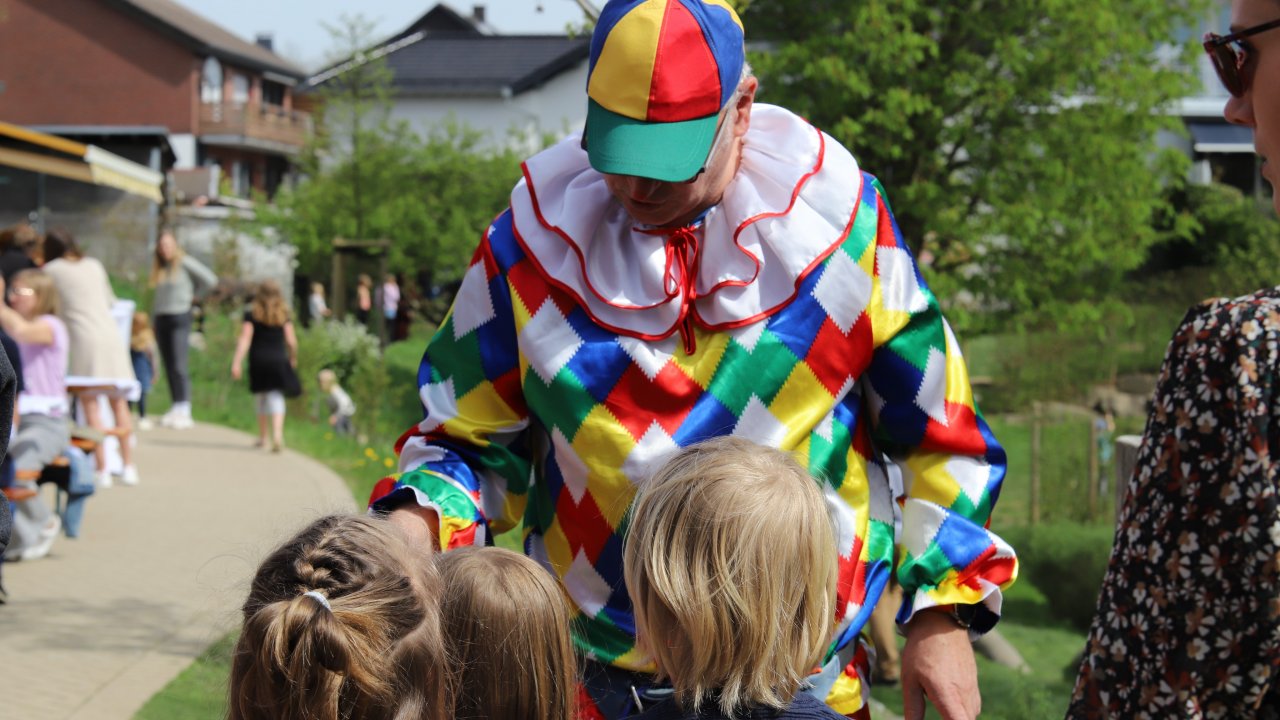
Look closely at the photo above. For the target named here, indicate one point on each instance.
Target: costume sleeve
(468, 458)
(925, 420)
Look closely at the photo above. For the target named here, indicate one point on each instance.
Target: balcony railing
(256, 122)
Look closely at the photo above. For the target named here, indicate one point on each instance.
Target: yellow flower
(369, 453)
(359, 463)
(328, 436)
(389, 462)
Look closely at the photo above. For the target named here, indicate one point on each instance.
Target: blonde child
(507, 629)
(342, 621)
(730, 561)
(341, 408)
(142, 353)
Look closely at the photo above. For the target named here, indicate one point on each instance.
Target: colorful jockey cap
(661, 71)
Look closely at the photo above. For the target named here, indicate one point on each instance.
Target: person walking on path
(97, 349)
(268, 338)
(698, 265)
(1187, 622)
(178, 280)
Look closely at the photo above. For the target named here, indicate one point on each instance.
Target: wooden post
(1093, 469)
(337, 283)
(1035, 463)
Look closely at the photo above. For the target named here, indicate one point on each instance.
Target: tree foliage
(368, 177)
(1016, 138)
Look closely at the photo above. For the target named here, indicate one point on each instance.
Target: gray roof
(206, 37)
(466, 64)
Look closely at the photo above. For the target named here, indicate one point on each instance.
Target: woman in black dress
(267, 336)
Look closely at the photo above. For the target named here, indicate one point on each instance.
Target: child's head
(342, 621)
(507, 626)
(326, 379)
(730, 561)
(32, 294)
(317, 288)
(140, 334)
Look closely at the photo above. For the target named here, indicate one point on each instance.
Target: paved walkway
(157, 575)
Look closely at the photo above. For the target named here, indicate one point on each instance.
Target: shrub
(350, 351)
(1066, 562)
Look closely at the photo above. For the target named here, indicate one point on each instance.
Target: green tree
(367, 177)
(1016, 138)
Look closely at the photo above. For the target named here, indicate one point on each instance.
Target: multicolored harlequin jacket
(582, 350)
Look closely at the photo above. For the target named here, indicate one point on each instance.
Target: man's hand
(421, 526)
(937, 663)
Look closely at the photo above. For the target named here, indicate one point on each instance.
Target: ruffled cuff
(461, 522)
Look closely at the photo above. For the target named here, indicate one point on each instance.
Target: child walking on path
(341, 407)
(342, 621)
(730, 561)
(267, 336)
(512, 660)
(142, 352)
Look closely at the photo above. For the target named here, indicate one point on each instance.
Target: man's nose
(1239, 110)
(644, 188)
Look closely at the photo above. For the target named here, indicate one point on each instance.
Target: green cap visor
(670, 151)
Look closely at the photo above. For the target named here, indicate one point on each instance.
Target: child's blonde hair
(507, 626)
(326, 379)
(141, 336)
(48, 301)
(730, 561)
(342, 621)
(269, 307)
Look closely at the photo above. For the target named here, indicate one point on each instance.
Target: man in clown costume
(696, 264)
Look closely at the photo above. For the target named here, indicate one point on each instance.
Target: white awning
(91, 164)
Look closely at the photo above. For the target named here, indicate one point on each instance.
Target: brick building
(152, 81)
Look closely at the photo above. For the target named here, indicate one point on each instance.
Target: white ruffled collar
(789, 206)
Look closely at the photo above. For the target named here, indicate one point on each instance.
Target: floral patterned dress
(1188, 621)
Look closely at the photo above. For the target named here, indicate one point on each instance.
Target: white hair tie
(319, 598)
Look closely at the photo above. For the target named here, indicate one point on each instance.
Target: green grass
(1050, 648)
(199, 692)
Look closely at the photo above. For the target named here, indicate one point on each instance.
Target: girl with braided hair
(342, 621)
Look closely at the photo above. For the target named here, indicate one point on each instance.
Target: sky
(297, 26)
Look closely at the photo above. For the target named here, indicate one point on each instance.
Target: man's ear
(743, 121)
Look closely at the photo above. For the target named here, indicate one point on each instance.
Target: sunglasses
(1231, 56)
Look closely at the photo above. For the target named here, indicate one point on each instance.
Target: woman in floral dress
(1188, 622)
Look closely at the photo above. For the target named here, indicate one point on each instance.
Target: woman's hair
(730, 561)
(58, 243)
(141, 336)
(507, 626)
(48, 302)
(364, 280)
(342, 623)
(269, 307)
(162, 269)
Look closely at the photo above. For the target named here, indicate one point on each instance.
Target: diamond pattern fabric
(538, 416)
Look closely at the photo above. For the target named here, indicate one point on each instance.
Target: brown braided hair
(376, 653)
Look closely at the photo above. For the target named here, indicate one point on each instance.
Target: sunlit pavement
(157, 574)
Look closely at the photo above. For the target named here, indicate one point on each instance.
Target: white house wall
(557, 108)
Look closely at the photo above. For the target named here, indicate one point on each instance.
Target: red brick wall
(82, 62)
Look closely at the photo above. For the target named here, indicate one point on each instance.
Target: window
(211, 82)
(239, 89)
(272, 93)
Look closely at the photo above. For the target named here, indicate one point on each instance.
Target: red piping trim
(693, 311)
(582, 260)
